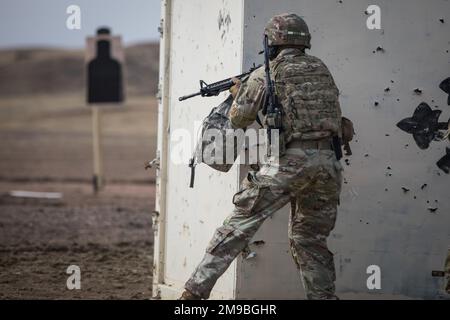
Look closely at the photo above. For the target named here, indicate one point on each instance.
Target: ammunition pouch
(213, 147)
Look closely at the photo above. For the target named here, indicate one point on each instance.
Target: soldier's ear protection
(273, 52)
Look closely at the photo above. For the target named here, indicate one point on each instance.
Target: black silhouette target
(104, 76)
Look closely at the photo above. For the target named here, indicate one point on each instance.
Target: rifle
(213, 89)
(272, 109)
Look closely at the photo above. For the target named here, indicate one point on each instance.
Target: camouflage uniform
(307, 175)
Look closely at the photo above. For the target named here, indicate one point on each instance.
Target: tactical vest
(308, 95)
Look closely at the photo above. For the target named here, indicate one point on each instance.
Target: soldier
(307, 174)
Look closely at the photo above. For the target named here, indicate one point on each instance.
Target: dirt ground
(45, 144)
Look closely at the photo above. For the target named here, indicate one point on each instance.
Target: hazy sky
(25, 23)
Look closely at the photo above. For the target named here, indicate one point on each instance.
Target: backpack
(213, 141)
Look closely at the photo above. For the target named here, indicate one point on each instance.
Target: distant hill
(51, 71)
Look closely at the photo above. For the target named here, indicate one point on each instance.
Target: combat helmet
(288, 29)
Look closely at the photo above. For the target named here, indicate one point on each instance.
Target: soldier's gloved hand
(234, 89)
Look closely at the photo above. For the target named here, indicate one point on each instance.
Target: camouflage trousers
(309, 178)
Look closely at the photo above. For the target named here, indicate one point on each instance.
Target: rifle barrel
(189, 96)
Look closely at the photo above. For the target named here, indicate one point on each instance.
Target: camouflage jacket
(306, 91)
